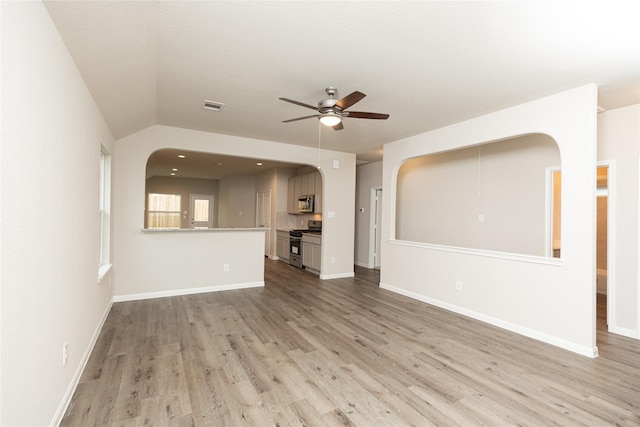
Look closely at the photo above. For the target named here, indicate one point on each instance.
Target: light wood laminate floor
(306, 352)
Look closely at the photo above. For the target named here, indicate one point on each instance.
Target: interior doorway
(602, 243)
(263, 216)
(605, 288)
(375, 229)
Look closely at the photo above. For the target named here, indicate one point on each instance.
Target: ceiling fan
(332, 111)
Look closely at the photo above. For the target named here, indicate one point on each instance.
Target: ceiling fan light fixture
(330, 119)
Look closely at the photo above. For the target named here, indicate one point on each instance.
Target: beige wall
(51, 136)
(552, 300)
(440, 197)
(237, 207)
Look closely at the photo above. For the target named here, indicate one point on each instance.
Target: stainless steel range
(295, 241)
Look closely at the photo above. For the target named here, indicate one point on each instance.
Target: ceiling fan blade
(364, 115)
(349, 100)
(302, 104)
(300, 118)
(339, 126)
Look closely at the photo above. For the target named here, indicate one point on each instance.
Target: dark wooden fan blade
(363, 115)
(349, 100)
(339, 126)
(302, 104)
(300, 118)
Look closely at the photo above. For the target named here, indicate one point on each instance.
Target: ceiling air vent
(213, 105)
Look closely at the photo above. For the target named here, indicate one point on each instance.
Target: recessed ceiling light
(259, 164)
(213, 105)
(182, 156)
(175, 169)
(173, 174)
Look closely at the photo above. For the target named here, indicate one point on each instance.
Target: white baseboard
(189, 291)
(336, 276)
(546, 338)
(66, 400)
(629, 333)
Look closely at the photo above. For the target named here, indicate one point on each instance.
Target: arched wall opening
(490, 197)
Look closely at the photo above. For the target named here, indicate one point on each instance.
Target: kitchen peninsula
(199, 230)
(184, 261)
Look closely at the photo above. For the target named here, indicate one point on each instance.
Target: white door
(378, 231)
(263, 216)
(201, 211)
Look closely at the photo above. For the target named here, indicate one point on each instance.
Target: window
(104, 261)
(163, 211)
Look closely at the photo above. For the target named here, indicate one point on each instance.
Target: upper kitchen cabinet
(291, 196)
(304, 185)
(317, 183)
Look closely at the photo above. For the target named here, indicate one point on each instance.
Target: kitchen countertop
(200, 230)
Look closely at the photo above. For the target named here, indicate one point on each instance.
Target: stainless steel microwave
(305, 203)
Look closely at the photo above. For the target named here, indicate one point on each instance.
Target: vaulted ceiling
(427, 64)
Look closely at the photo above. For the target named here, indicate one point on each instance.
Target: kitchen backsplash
(284, 221)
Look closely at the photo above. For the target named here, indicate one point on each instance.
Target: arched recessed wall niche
(495, 196)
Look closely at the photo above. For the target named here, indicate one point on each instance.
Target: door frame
(611, 288)
(267, 243)
(374, 229)
(611, 235)
(211, 199)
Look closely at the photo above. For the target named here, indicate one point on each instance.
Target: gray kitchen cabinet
(312, 252)
(282, 245)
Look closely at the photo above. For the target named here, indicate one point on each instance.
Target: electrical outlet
(333, 260)
(480, 217)
(225, 267)
(65, 353)
(458, 285)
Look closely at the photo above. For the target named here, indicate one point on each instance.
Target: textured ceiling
(427, 64)
(206, 165)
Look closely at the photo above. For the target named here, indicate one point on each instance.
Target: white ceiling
(206, 165)
(427, 64)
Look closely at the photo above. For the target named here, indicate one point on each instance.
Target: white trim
(546, 338)
(267, 236)
(103, 270)
(638, 258)
(629, 333)
(481, 252)
(336, 276)
(549, 243)
(372, 224)
(66, 399)
(611, 256)
(190, 291)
